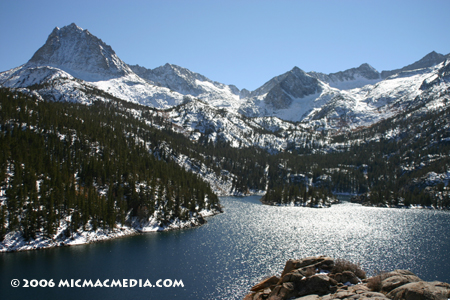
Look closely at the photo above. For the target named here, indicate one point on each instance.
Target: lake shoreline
(14, 241)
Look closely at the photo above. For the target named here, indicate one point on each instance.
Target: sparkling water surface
(234, 250)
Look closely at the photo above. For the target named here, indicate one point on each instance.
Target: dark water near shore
(234, 250)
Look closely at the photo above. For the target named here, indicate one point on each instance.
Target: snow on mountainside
(442, 76)
(73, 61)
(79, 53)
(429, 60)
(351, 78)
(290, 96)
(372, 103)
(74, 65)
(187, 82)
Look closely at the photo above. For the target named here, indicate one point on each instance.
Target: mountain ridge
(350, 78)
(431, 59)
(72, 61)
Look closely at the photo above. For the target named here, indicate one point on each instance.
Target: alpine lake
(233, 251)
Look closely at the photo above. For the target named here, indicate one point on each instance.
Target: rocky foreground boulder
(324, 278)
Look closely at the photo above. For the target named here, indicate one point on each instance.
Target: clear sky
(241, 42)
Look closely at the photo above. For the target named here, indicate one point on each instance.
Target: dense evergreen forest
(88, 165)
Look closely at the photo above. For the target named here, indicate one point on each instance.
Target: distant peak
(366, 66)
(297, 69)
(298, 72)
(170, 66)
(433, 55)
(72, 27)
(79, 53)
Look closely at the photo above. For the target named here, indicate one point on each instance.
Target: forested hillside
(401, 161)
(87, 167)
(67, 166)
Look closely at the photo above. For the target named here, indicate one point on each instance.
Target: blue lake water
(225, 257)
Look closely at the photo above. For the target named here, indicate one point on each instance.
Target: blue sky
(245, 43)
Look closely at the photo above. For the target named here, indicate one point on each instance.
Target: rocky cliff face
(324, 278)
(80, 53)
(293, 84)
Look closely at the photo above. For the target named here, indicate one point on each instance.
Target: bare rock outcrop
(324, 278)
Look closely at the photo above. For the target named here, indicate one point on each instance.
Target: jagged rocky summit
(79, 53)
(325, 278)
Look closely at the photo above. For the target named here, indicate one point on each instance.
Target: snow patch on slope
(134, 89)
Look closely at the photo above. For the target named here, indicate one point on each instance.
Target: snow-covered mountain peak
(285, 93)
(80, 54)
